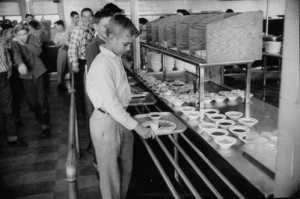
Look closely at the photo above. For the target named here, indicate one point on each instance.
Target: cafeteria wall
(287, 181)
(155, 8)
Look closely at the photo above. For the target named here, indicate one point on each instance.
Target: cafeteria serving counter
(249, 167)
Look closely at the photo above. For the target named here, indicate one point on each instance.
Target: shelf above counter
(189, 59)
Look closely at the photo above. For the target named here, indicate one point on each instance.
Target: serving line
(177, 168)
(189, 160)
(236, 159)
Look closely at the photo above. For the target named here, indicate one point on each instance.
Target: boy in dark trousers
(111, 125)
(27, 49)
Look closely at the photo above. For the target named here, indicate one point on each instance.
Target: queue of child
(99, 42)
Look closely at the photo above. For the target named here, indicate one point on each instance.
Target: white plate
(163, 125)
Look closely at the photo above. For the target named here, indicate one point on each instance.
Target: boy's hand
(15, 39)
(144, 132)
(75, 69)
(22, 69)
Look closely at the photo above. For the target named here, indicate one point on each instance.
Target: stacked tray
(140, 97)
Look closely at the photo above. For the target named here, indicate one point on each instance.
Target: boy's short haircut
(5, 28)
(73, 13)
(102, 14)
(29, 15)
(143, 21)
(34, 24)
(19, 27)
(113, 8)
(118, 23)
(183, 11)
(86, 10)
(60, 22)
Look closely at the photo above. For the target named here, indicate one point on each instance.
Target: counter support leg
(164, 67)
(222, 75)
(247, 92)
(264, 76)
(248, 83)
(176, 157)
(201, 86)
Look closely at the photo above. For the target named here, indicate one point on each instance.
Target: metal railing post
(71, 170)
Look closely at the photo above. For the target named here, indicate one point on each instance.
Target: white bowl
(155, 115)
(232, 96)
(225, 124)
(208, 99)
(234, 115)
(213, 94)
(208, 112)
(237, 91)
(193, 115)
(218, 133)
(224, 92)
(248, 121)
(225, 142)
(186, 109)
(216, 117)
(219, 98)
(207, 126)
(239, 130)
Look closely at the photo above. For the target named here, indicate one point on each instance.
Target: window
(52, 18)
(45, 10)
(12, 18)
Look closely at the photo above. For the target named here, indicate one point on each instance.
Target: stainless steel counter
(267, 116)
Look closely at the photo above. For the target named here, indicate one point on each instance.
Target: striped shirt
(5, 61)
(81, 36)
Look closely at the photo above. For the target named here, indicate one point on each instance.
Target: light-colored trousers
(114, 150)
(62, 62)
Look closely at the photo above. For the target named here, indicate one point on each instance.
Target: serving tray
(142, 99)
(180, 127)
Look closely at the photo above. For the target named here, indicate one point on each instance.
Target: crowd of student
(95, 44)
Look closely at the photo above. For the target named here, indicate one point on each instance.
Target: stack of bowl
(170, 63)
(155, 60)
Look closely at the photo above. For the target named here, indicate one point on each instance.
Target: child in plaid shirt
(5, 91)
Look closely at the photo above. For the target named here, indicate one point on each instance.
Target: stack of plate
(155, 60)
(201, 54)
(170, 63)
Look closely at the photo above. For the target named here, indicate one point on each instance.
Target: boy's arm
(72, 52)
(101, 88)
(90, 54)
(17, 53)
(18, 58)
(33, 45)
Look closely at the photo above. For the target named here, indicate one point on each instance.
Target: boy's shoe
(18, 143)
(46, 133)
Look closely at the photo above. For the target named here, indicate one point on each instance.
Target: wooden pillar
(60, 7)
(287, 180)
(22, 5)
(136, 45)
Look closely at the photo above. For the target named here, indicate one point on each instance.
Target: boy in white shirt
(110, 124)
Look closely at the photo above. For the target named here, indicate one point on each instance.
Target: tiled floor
(38, 172)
